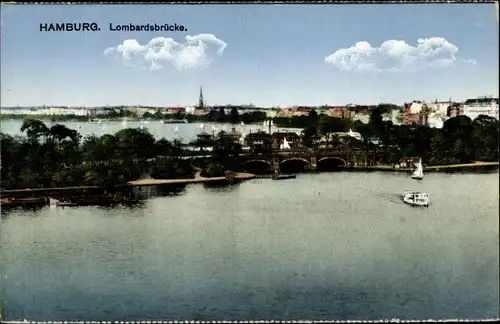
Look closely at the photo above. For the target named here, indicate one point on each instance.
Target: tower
(201, 103)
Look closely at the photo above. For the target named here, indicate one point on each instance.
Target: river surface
(185, 133)
(322, 246)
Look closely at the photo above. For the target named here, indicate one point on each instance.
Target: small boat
(418, 174)
(416, 198)
(280, 176)
(23, 202)
(92, 201)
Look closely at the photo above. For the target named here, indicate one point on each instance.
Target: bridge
(293, 160)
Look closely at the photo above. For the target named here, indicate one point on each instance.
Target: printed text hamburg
(76, 27)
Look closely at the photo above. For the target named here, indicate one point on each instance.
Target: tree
(212, 115)
(96, 149)
(376, 119)
(163, 146)
(59, 133)
(313, 117)
(221, 115)
(34, 129)
(135, 143)
(235, 115)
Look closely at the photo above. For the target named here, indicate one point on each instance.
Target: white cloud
(396, 56)
(197, 51)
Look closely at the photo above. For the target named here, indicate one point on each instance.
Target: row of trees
(215, 116)
(460, 140)
(59, 157)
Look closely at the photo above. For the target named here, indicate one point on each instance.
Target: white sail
(202, 126)
(285, 145)
(419, 171)
(176, 130)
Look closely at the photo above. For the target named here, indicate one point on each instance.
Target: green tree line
(58, 157)
(460, 140)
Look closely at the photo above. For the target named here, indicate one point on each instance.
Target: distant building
(259, 142)
(190, 109)
(271, 113)
(360, 112)
(408, 162)
(173, 110)
(339, 112)
(472, 108)
(48, 110)
(416, 112)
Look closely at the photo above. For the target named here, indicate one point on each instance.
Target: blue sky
(272, 55)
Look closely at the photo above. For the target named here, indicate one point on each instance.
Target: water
(186, 133)
(322, 246)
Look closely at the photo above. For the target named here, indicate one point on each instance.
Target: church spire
(201, 102)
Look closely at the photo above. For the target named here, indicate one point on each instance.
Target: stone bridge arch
(258, 166)
(294, 164)
(330, 163)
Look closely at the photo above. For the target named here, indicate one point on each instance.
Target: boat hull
(284, 176)
(416, 199)
(92, 201)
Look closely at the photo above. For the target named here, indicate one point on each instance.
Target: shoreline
(433, 168)
(238, 176)
(37, 192)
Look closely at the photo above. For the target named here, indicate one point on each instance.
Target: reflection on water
(322, 246)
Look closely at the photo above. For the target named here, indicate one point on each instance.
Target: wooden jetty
(197, 179)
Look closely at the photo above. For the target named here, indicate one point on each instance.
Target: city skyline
(263, 55)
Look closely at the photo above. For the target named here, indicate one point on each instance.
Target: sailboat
(280, 176)
(418, 174)
(176, 130)
(285, 145)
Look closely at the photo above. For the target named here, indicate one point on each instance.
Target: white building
(18, 111)
(481, 106)
(190, 110)
(416, 107)
(436, 121)
(364, 118)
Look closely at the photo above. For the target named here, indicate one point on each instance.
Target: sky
(266, 55)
